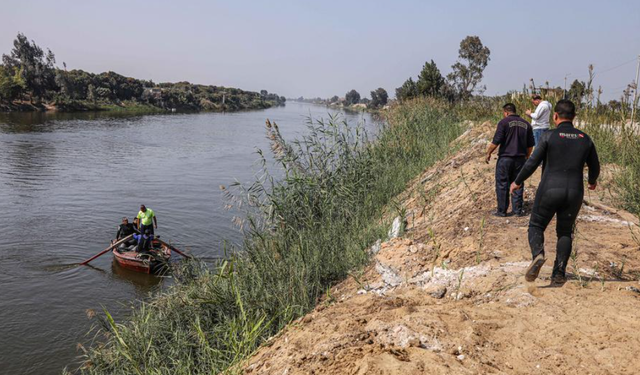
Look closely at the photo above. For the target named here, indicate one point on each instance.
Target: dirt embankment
(449, 297)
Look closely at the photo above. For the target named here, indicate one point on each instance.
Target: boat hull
(144, 263)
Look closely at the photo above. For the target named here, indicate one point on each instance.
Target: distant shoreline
(354, 108)
(31, 82)
(124, 107)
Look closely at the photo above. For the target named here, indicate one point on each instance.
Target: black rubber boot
(558, 279)
(534, 268)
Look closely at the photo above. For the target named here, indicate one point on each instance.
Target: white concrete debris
(588, 271)
(449, 278)
(403, 336)
(440, 281)
(511, 267)
(389, 276)
(604, 219)
(394, 232)
(375, 249)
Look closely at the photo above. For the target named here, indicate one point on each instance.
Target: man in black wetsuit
(124, 230)
(514, 136)
(564, 151)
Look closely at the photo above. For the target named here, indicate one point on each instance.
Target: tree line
(467, 73)
(379, 98)
(460, 84)
(29, 74)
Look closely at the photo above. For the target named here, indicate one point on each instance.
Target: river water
(66, 180)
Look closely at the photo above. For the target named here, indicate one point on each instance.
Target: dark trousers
(507, 170)
(145, 231)
(566, 204)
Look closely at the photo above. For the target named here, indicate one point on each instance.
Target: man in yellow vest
(146, 221)
(146, 217)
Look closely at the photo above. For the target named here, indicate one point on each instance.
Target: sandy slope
(449, 297)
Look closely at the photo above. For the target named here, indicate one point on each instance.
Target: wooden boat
(144, 262)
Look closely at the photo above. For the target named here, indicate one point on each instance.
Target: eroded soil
(449, 296)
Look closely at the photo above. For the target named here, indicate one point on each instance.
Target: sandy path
(449, 297)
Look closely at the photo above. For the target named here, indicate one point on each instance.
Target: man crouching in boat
(125, 229)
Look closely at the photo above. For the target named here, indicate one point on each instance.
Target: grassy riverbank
(305, 233)
(161, 103)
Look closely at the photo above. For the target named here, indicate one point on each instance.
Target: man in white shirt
(540, 117)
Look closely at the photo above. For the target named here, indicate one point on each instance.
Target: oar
(127, 238)
(174, 249)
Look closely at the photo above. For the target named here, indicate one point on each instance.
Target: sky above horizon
(311, 49)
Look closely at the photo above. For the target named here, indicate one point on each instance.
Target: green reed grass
(304, 232)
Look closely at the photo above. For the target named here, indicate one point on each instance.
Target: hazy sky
(323, 48)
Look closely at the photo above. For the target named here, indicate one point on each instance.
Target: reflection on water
(27, 122)
(142, 281)
(23, 158)
(66, 180)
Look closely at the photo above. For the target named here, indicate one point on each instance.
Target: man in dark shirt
(564, 151)
(514, 136)
(124, 230)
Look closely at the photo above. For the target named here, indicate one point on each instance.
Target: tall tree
(379, 97)
(352, 97)
(467, 73)
(577, 92)
(408, 90)
(430, 81)
(37, 66)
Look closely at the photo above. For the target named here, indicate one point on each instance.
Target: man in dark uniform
(124, 230)
(564, 151)
(514, 136)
